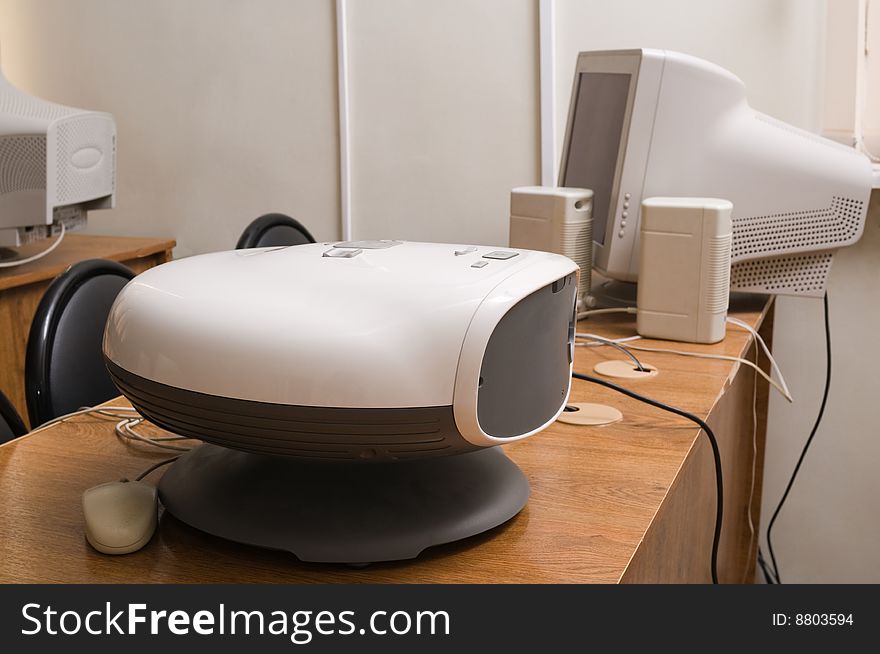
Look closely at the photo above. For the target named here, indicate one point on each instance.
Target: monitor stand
(607, 293)
(343, 512)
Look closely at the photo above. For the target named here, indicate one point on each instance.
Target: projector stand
(343, 512)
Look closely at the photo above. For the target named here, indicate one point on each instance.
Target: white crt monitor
(646, 123)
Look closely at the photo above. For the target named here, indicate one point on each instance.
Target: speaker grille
(577, 245)
(718, 264)
(836, 225)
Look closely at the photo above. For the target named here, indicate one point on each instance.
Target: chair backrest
(11, 424)
(64, 365)
(274, 229)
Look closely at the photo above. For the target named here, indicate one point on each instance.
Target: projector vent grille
(837, 225)
(78, 184)
(802, 274)
(22, 163)
(326, 433)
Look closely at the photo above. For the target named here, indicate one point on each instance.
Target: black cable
(769, 575)
(716, 454)
(807, 444)
(156, 467)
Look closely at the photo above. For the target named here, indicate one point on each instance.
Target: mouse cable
(806, 447)
(719, 484)
(156, 466)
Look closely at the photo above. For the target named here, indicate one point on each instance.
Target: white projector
(363, 363)
(56, 163)
(362, 350)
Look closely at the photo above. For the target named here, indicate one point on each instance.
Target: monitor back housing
(56, 163)
(645, 123)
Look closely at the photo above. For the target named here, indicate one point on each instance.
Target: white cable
(39, 255)
(782, 388)
(605, 341)
(596, 337)
(722, 357)
(754, 531)
(124, 430)
(94, 410)
(760, 340)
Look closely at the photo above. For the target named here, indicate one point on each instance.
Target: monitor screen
(596, 131)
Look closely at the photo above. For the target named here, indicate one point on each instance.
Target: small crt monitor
(646, 123)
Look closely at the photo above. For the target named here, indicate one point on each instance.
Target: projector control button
(501, 254)
(366, 245)
(480, 264)
(462, 251)
(335, 253)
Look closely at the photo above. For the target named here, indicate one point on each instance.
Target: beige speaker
(555, 219)
(684, 269)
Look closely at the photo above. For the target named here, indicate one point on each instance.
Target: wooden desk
(22, 288)
(630, 502)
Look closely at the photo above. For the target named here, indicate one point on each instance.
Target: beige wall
(225, 109)
(228, 108)
(444, 116)
(829, 529)
(774, 46)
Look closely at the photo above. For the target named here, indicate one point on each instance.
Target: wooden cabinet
(22, 287)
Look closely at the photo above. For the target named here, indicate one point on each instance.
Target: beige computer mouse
(120, 516)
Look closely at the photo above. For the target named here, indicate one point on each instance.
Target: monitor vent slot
(22, 163)
(836, 225)
(802, 274)
(18, 103)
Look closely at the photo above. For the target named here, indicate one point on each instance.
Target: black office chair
(11, 424)
(274, 229)
(64, 364)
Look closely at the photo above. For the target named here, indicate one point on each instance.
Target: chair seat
(272, 230)
(64, 366)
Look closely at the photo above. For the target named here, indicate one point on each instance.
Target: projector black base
(342, 512)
